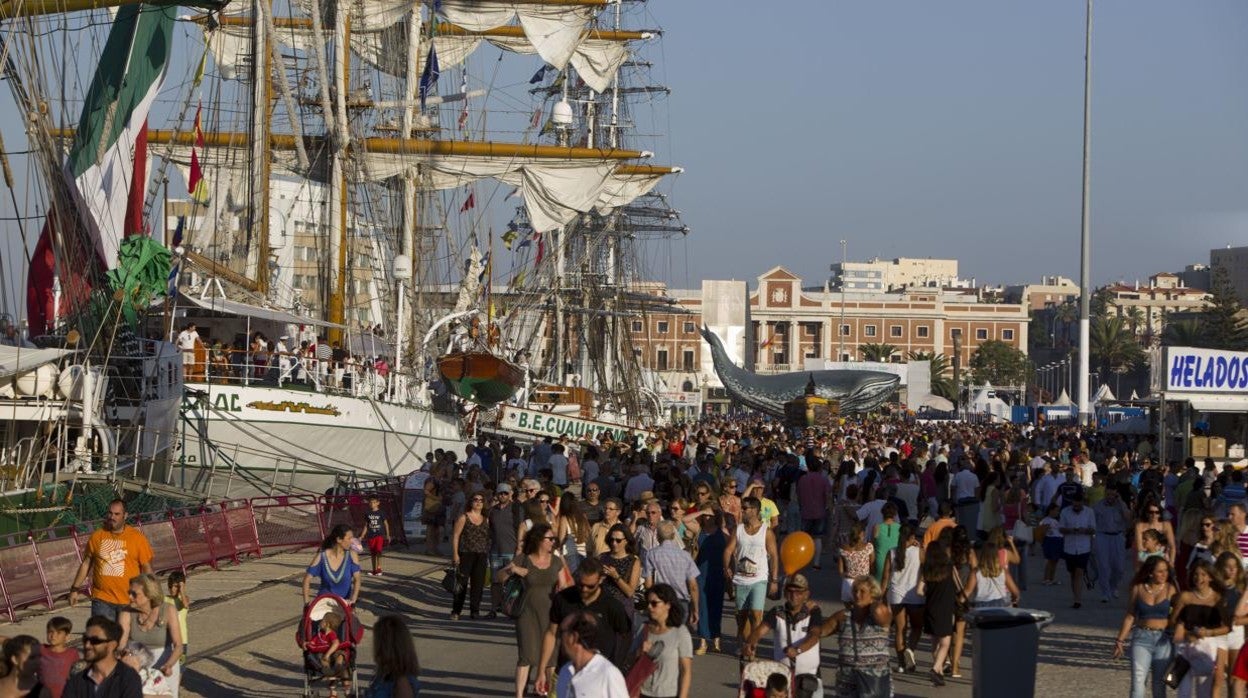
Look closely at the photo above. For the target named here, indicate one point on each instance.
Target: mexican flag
(101, 162)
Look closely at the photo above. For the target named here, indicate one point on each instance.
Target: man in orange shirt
(946, 520)
(115, 554)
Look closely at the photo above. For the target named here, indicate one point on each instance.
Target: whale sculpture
(855, 391)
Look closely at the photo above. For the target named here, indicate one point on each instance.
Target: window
(689, 328)
(637, 325)
(869, 330)
(687, 386)
(779, 358)
(812, 329)
(1007, 335)
(894, 330)
(922, 331)
(686, 360)
(955, 332)
(844, 330)
(636, 351)
(981, 333)
(781, 328)
(661, 360)
(663, 326)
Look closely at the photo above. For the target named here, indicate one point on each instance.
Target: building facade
(903, 272)
(1051, 292)
(1235, 261)
(778, 326)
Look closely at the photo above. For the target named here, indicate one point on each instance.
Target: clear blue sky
(953, 129)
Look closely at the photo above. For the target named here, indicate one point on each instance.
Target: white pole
(398, 331)
(1085, 251)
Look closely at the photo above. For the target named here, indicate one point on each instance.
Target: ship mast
(339, 241)
(261, 163)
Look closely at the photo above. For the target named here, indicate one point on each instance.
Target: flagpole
(1085, 246)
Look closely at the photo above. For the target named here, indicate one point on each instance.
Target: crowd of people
(922, 521)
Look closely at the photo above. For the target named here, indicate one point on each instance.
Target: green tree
(1102, 303)
(1223, 328)
(877, 352)
(1114, 347)
(1068, 315)
(941, 369)
(999, 364)
(1135, 314)
(1184, 333)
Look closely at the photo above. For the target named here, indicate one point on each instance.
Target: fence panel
(241, 522)
(287, 522)
(217, 529)
(196, 548)
(166, 549)
(60, 558)
(23, 585)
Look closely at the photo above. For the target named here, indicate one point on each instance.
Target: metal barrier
(38, 568)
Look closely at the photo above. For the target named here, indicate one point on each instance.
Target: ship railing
(363, 381)
(37, 567)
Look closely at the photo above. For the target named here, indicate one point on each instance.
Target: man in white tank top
(751, 563)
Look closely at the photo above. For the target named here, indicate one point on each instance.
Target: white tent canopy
(1104, 394)
(1063, 399)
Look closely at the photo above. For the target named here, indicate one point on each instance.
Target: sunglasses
(593, 489)
(543, 500)
(653, 603)
(530, 490)
(617, 540)
(549, 538)
(93, 641)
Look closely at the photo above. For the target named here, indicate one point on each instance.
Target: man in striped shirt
(1238, 514)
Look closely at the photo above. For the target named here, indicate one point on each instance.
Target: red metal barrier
(36, 567)
(287, 522)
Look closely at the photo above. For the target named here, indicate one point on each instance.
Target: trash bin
(1006, 647)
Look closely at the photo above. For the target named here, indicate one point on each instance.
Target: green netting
(32, 511)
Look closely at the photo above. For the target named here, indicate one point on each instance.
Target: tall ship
(384, 220)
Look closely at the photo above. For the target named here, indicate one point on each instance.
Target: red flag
(537, 118)
(41, 310)
(138, 186)
(469, 203)
(541, 248)
(195, 184)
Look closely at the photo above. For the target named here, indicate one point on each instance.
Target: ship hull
(297, 440)
(481, 377)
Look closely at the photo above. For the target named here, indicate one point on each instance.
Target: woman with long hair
(885, 538)
(336, 565)
(470, 551)
(940, 604)
(1149, 516)
(572, 529)
(856, 558)
(712, 542)
(622, 567)
(394, 655)
(538, 566)
(1143, 631)
(989, 503)
(991, 586)
(1014, 509)
(666, 640)
(19, 675)
(964, 564)
(862, 633)
(1199, 625)
(1231, 574)
(901, 588)
(433, 515)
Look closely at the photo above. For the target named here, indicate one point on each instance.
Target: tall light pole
(840, 328)
(1085, 248)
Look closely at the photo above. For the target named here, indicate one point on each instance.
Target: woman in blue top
(336, 565)
(1143, 633)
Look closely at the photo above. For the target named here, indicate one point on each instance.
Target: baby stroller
(349, 633)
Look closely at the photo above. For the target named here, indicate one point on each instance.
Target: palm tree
(877, 352)
(1067, 313)
(1184, 333)
(1136, 315)
(1114, 347)
(942, 384)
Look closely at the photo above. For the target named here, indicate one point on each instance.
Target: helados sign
(1189, 369)
(528, 421)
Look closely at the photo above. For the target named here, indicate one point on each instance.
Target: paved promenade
(243, 622)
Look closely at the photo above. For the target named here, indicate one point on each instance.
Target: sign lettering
(1206, 370)
(549, 424)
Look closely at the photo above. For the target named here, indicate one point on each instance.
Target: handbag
(1176, 670)
(1022, 532)
(565, 576)
(453, 581)
(643, 668)
(513, 596)
(961, 603)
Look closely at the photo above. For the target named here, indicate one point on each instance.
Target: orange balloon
(797, 550)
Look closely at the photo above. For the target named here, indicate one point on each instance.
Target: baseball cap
(797, 581)
(503, 488)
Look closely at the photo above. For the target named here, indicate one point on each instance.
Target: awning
(15, 360)
(229, 307)
(370, 345)
(1211, 403)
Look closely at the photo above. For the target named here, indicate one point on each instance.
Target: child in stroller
(329, 636)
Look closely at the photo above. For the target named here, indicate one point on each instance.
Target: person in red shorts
(376, 533)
